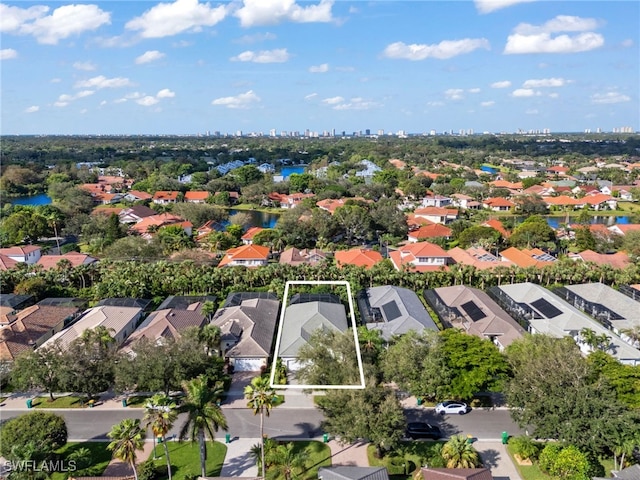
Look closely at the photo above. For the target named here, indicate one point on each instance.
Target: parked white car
(452, 407)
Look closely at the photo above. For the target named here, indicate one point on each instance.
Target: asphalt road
(285, 423)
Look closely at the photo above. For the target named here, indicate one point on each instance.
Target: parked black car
(423, 430)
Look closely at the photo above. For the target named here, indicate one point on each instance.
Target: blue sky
(188, 66)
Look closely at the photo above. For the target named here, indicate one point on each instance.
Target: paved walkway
(494, 455)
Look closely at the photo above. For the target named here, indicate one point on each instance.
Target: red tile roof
(245, 252)
(13, 251)
(430, 231)
(249, 234)
(75, 258)
(165, 195)
(407, 257)
(358, 256)
(196, 196)
(6, 262)
(616, 260)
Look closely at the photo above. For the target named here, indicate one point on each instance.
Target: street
(285, 422)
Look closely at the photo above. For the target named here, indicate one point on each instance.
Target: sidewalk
(494, 455)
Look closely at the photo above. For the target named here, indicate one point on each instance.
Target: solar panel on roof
(474, 312)
(545, 308)
(391, 311)
(545, 257)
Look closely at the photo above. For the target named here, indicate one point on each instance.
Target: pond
(608, 220)
(33, 200)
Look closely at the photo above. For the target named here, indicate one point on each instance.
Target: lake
(259, 219)
(33, 200)
(608, 220)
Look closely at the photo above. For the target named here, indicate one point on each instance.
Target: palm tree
(285, 462)
(261, 399)
(127, 437)
(459, 453)
(160, 413)
(211, 336)
(204, 416)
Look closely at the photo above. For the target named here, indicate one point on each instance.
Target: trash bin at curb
(29, 403)
(325, 437)
(419, 401)
(469, 439)
(227, 438)
(124, 402)
(505, 438)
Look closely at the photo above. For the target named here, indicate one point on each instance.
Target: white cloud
(310, 96)
(524, 92)
(243, 100)
(501, 84)
(103, 82)
(527, 38)
(166, 19)
(62, 23)
(165, 93)
(627, 43)
(609, 97)
(56, 80)
(85, 66)
(356, 103)
(532, 111)
(103, 103)
(454, 94)
(65, 99)
(474, 90)
(554, 95)
(561, 23)
(544, 43)
(256, 38)
(323, 68)
(8, 54)
(545, 82)
(149, 56)
(147, 101)
(279, 55)
(487, 6)
(443, 50)
(435, 104)
(333, 100)
(32, 109)
(489, 103)
(271, 12)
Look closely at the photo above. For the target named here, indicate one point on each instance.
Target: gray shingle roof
(304, 318)
(401, 311)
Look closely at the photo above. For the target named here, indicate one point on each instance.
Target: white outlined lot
(353, 328)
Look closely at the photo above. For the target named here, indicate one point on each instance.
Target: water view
(286, 171)
(33, 200)
(258, 219)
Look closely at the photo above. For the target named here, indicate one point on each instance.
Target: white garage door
(247, 364)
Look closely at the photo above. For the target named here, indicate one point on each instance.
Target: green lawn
(100, 458)
(66, 401)
(405, 459)
(319, 456)
(185, 459)
(137, 401)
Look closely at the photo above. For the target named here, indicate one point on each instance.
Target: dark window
(391, 311)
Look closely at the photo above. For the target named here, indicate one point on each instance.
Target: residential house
(247, 322)
(28, 254)
(420, 257)
(434, 200)
(619, 229)
(600, 201)
(527, 257)
(247, 237)
(136, 196)
(437, 215)
(332, 204)
(359, 257)
(558, 170)
(294, 199)
(514, 187)
(6, 262)
(455, 474)
(497, 225)
(74, 258)
(464, 201)
(149, 225)
(186, 302)
(31, 327)
(498, 204)
(630, 473)
(546, 313)
(245, 256)
(613, 309)
(119, 321)
(304, 316)
(426, 232)
(164, 324)
(16, 302)
(369, 170)
(165, 197)
(473, 311)
(393, 311)
(135, 214)
(347, 472)
(616, 260)
(196, 196)
(477, 257)
(294, 256)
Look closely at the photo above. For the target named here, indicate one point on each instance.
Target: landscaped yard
(319, 456)
(185, 459)
(100, 458)
(66, 401)
(402, 463)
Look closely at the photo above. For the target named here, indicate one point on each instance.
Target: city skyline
(190, 67)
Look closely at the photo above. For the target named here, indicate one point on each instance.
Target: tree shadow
(490, 458)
